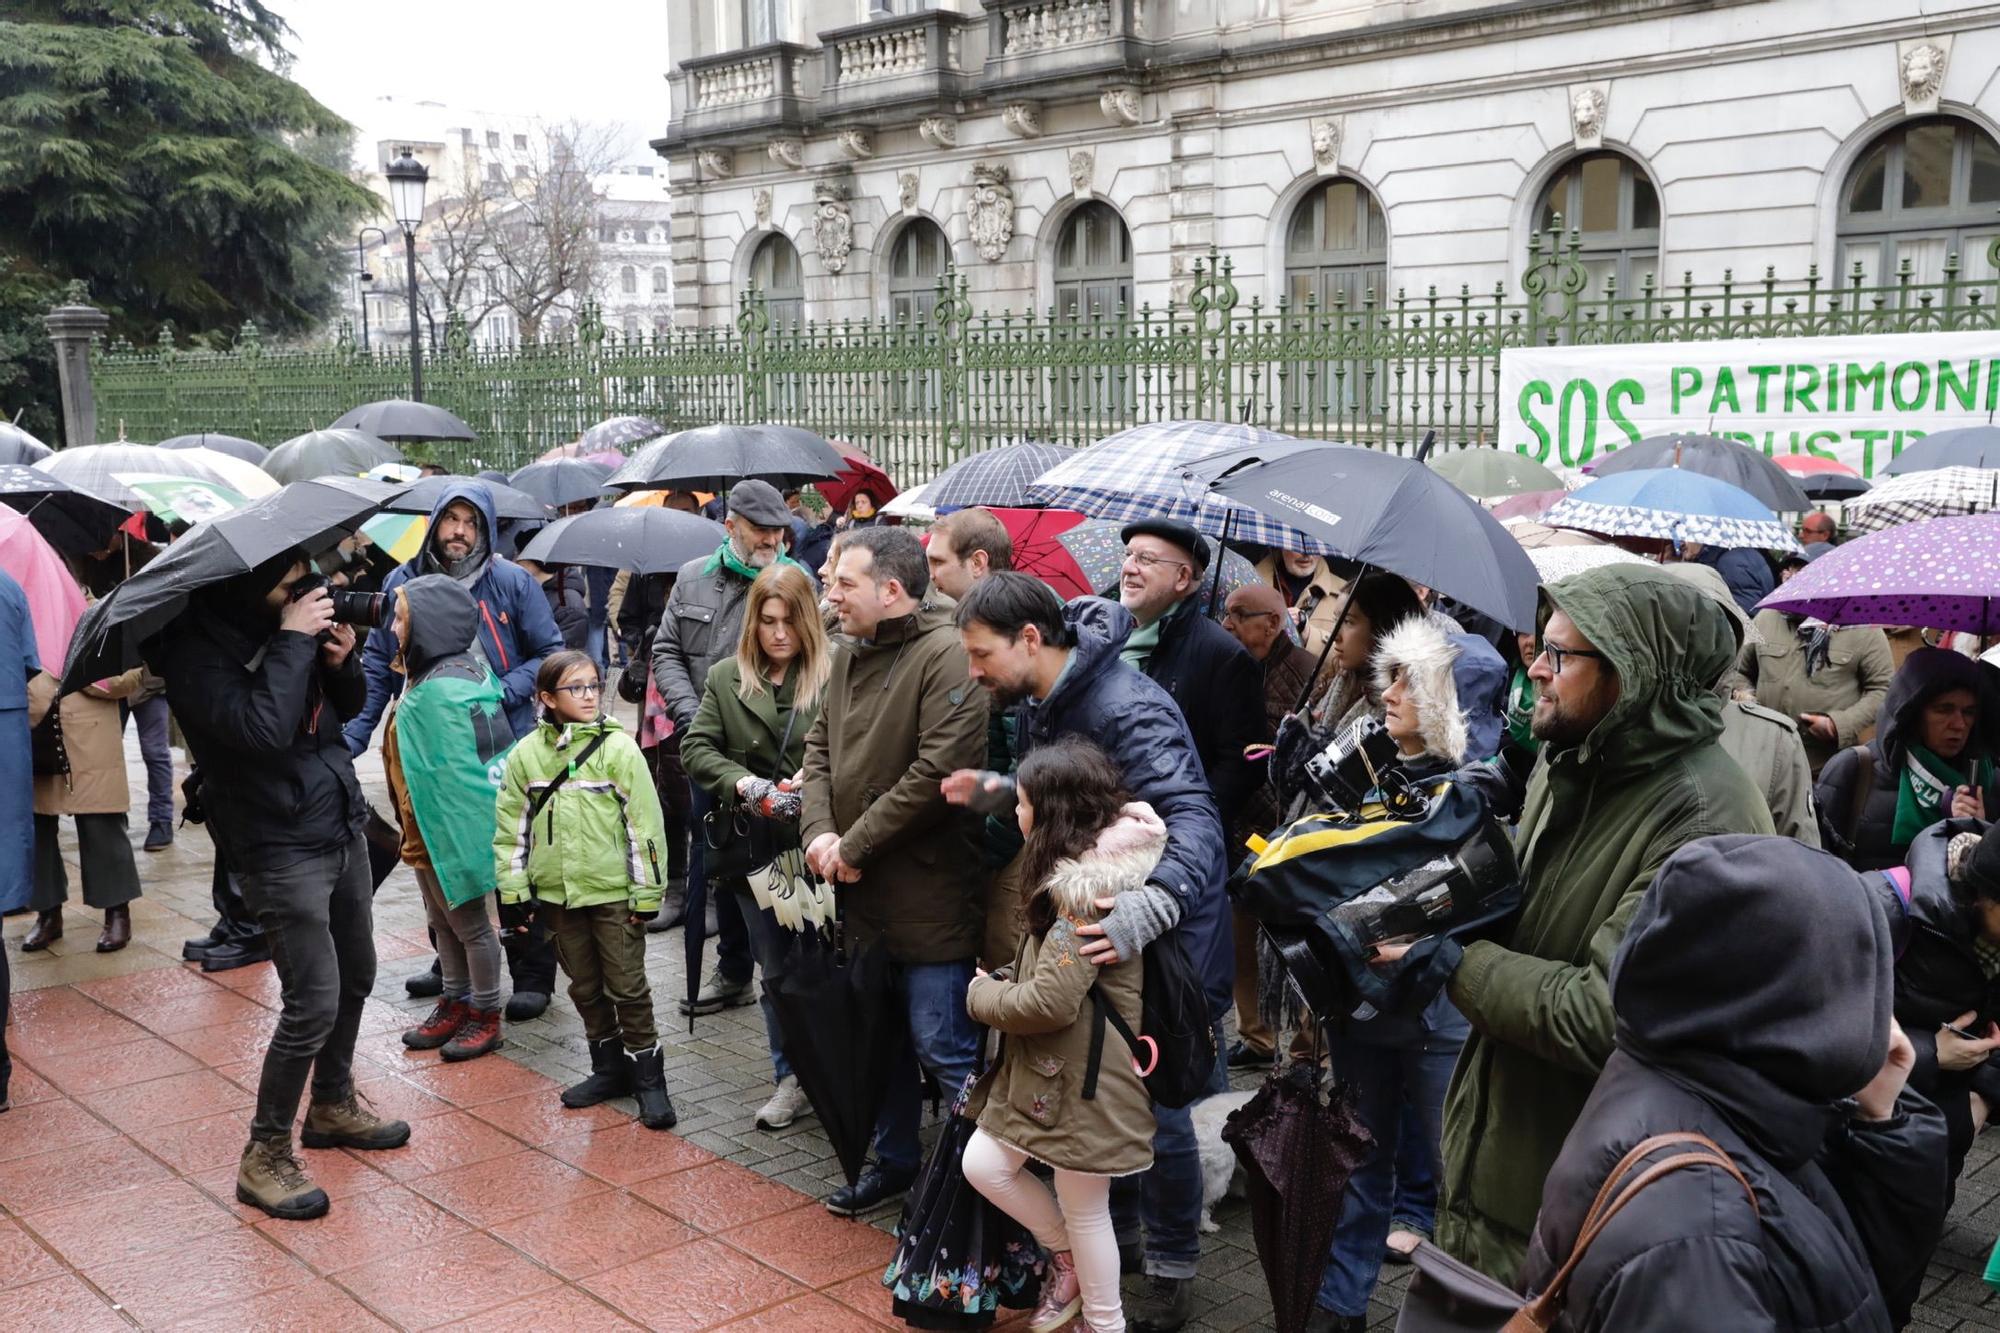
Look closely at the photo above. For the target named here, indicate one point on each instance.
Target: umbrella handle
(1152, 1060)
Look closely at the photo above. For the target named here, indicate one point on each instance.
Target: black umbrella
(1299, 1152)
(713, 458)
(421, 496)
(1967, 446)
(491, 474)
(313, 515)
(619, 433)
(994, 477)
(648, 540)
(73, 521)
(329, 453)
(17, 446)
(401, 419)
(1712, 456)
(1824, 486)
(234, 445)
(837, 1016)
(562, 481)
(1396, 514)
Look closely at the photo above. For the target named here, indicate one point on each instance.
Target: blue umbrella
(1673, 504)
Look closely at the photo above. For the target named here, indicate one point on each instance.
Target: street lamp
(361, 269)
(407, 178)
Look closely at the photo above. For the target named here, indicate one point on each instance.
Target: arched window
(1337, 249)
(1093, 263)
(775, 271)
(916, 261)
(628, 280)
(1611, 200)
(1923, 190)
(662, 285)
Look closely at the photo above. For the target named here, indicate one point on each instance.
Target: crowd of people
(1757, 901)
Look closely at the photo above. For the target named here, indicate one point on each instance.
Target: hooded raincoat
(1600, 819)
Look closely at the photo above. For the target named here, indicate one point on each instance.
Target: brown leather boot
(46, 931)
(351, 1123)
(117, 931)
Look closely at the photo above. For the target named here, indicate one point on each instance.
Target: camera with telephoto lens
(361, 609)
(1346, 770)
(1444, 892)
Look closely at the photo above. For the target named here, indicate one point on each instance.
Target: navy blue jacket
(1747, 573)
(1220, 690)
(516, 628)
(1101, 699)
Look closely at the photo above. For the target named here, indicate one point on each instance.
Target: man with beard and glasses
(1631, 769)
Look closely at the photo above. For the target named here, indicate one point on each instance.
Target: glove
(1294, 746)
(772, 800)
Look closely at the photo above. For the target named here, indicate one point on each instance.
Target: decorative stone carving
(1920, 67)
(833, 224)
(1326, 135)
(761, 201)
(1120, 105)
(1023, 119)
(991, 211)
(789, 153)
(718, 163)
(938, 131)
(906, 192)
(857, 142)
(1082, 171)
(1587, 104)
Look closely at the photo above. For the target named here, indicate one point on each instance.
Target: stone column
(72, 328)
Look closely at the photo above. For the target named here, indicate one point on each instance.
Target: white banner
(1861, 400)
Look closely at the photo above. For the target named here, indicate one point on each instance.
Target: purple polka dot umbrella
(1940, 573)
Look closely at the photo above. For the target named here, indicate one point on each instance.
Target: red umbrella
(1811, 465)
(859, 473)
(1037, 552)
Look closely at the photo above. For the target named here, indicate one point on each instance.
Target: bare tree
(452, 258)
(540, 250)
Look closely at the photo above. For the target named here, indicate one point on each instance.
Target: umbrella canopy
(312, 515)
(1098, 553)
(645, 541)
(1038, 553)
(856, 475)
(1528, 504)
(1938, 573)
(1676, 505)
(95, 468)
(328, 453)
(55, 603)
(658, 499)
(995, 477)
(235, 446)
(420, 497)
(614, 435)
(1299, 1153)
(1813, 465)
(1968, 446)
(911, 504)
(1534, 536)
(1151, 471)
(17, 446)
(400, 536)
(562, 481)
(840, 1013)
(1712, 456)
(1555, 563)
(74, 522)
(713, 458)
(1396, 514)
(182, 499)
(1825, 487)
(1484, 473)
(1943, 492)
(249, 480)
(401, 419)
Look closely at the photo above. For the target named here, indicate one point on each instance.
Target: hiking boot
(436, 1030)
(610, 1076)
(787, 1104)
(718, 993)
(1062, 1295)
(426, 984)
(270, 1177)
(877, 1186)
(476, 1035)
(523, 1005)
(1165, 1305)
(351, 1123)
(673, 906)
(649, 1087)
(46, 931)
(229, 956)
(159, 836)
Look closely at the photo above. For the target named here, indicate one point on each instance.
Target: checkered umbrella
(1149, 472)
(996, 478)
(1945, 492)
(1675, 505)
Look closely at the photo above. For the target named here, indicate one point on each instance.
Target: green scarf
(1139, 645)
(1521, 710)
(725, 558)
(1923, 792)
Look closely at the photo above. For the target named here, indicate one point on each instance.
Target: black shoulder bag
(734, 841)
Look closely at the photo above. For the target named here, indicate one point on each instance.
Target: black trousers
(110, 874)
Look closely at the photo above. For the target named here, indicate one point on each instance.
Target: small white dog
(1219, 1167)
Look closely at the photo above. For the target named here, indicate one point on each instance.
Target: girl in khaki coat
(1085, 845)
(94, 793)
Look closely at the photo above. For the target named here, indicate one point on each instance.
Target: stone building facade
(1080, 155)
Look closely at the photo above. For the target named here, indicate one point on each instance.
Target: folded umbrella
(1944, 492)
(1712, 456)
(73, 521)
(95, 468)
(249, 451)
(401, 419)
(1938, 573)
(17, 446)
(420, 497)
(996, 477)
(643, 540)
(561, 482)
(1967, 446)
(1676, 505)
(1485, 473)
(714, 458)
(329, 453)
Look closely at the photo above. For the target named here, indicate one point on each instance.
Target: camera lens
(363, 609)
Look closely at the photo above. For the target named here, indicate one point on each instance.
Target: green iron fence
(917, 395)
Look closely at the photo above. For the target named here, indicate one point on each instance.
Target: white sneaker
(787, 1104)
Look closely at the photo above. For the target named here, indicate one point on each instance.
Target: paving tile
(395, 1099)
(81, 1072)
(363, 1227)
(866, 1294)
(315, 1307)
(443, 1143)
(129, 1223)
(254, 978)
(813, 1245)
(447, 1280)
(133, 995)
(341, 1175)
(26, 1087)
(629, 1153)
(23, 1258)
(205, 1009)
(40, 1036)
(67, 1174)
(594, 1234)
(805, 1312)
(490, 1192)
(719, 1196)
(228, 1043)
(476, 1082)
(229, 1266)
(699, 1285)
(58, 1303)
(27, 1130)
(570, 1309)
(196, 1145)
(162, 1101)
(51, 1004)
(540, 1118)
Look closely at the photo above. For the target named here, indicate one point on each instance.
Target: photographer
(260, 679)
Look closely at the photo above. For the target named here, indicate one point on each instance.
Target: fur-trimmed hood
(1125, 854)
(1457, 680)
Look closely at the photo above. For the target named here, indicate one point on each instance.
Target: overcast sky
(601, 61)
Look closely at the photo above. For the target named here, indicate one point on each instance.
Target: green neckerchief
(1521, 710)
(725, 558)
(1140, 644)
(1923, 791)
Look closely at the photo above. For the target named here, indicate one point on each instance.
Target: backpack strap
(1103, 1012)
(541, 798)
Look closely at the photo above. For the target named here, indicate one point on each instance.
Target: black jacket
(570, 608)
(262, 718)
(1753, 995)
(1220, 690)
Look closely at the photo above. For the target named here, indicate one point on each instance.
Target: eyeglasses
(1556, 655)
(1146, 559)
(1236, 614)
(584, 690)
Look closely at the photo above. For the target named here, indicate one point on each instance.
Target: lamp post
(361, 269)
(407, 178)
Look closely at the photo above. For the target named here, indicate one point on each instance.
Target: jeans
(768, 941)
(318, 917)
(468, 950)
(1384, 1079)
(733, 958)
(1166, 1200)
(1416, 1203)
(940, 1039)
(152, 719)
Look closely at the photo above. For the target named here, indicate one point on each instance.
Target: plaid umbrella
(997, 477)
(1099, 555)
(1937, 573)
(17, 446)
(616, 434)
(95, 468)
(1144, 472)
(1968, 446)
(1943, 492)
(1676, 505)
